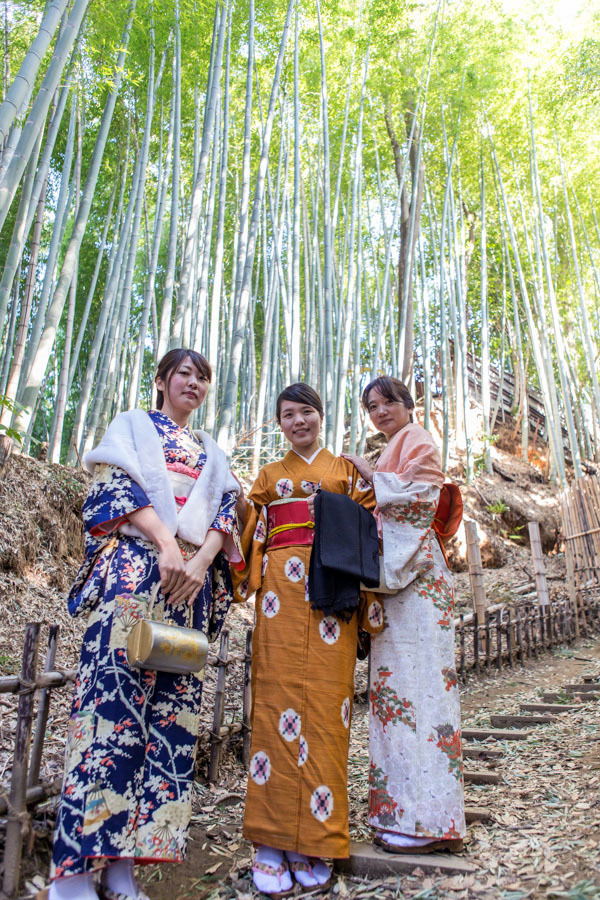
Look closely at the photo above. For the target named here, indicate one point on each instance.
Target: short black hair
(391, 389)
(300, 393)
(171, 362)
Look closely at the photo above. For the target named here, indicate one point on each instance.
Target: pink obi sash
(289, 522)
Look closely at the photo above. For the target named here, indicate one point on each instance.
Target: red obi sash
(289, 522)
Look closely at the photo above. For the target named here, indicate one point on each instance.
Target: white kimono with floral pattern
(416, 771)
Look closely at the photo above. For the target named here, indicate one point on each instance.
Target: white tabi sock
(119, 877)
(405, 840)
(73, 887)
(308, 871)
(270, 882)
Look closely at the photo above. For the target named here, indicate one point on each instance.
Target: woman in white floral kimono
(416, 775)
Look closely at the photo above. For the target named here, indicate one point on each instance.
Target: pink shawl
(413, 455)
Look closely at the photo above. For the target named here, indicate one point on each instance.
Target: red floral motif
(381, 805)
(388, 706)
(452, 834)
(442, 596)
(449, 742)
(419, 513)
(450, 678)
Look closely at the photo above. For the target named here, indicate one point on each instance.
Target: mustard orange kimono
(302, 669)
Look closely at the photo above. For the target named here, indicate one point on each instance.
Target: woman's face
(184, 391)
(387, 415)
(301, 425)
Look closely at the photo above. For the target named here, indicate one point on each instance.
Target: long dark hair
(391, 389)
(172, 361)
(300, 393)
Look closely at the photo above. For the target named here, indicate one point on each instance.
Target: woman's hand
(170, 561)
(195, 570)
(310, 502)
(363, 467)
(171, 567)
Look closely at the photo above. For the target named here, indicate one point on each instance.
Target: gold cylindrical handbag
(165, 647)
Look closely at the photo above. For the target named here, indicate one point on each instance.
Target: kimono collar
(297, 465)
(308, 459)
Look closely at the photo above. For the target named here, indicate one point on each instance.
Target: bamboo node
(19, 815)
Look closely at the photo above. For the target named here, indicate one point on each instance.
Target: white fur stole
(131, 442)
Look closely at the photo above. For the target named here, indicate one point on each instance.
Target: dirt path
(543, 843)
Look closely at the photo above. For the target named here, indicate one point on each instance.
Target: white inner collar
(307, 459)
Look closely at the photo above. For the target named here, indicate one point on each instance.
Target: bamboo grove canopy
(321, 190)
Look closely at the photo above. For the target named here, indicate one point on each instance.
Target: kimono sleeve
(371, 612)
(406, 511)
(360, 490)
(248, 579)
(226, 522)
(113, 495)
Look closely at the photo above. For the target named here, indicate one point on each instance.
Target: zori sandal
(452, 845)
(275, 882)
(311, 873)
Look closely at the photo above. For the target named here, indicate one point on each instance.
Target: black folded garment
(344, 553)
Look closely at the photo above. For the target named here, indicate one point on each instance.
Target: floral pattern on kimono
(132, 734)
(416, 772)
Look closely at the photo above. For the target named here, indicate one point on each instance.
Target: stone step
(477, 814)
(548, 697)
(548, 707)
(581, 688)
(481, 776)
(470, 752)
(498, 734)
(508, 720)
(369, 859)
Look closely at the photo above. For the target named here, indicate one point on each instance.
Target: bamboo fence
(580, 508)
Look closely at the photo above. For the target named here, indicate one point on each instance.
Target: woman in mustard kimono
(416, 801)
(161, 509)
(302, 663)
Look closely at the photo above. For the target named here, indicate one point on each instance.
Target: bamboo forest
(316, 190)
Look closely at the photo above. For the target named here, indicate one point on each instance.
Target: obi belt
(289, 523)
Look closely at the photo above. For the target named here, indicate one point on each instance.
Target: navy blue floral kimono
(132, 733)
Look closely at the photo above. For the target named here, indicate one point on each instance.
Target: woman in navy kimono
(161, 508)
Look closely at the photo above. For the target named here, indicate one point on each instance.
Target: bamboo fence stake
(461, 632)
(509, 637)
(247, 700)
(499, 640)
(42, 713)
(215, 739)
(538, 564)
(569, 556)
(17, 815)
(488, 642)
(519, 635)
(475, 570)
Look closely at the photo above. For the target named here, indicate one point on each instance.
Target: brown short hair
(391, 389)
(300, 393)
(172, 361)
